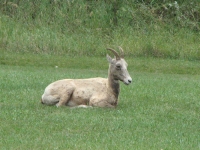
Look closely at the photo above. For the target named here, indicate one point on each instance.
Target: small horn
(115, 53)
(122, 52)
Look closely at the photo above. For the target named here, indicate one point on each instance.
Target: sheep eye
(118, 67)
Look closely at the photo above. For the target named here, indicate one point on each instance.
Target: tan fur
(98, 92)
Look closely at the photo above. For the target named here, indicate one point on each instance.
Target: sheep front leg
(82, 106)
(101, 103)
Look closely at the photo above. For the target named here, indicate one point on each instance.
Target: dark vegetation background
(147, 28)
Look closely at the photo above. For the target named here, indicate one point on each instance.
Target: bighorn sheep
(99, 92)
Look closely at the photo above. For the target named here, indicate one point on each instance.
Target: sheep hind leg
(49, 99)
(64, 99)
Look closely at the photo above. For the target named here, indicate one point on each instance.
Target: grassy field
(161, 29)
(159, 110)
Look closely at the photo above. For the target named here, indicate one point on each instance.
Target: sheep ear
(109, 58)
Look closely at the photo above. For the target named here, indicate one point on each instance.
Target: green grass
(76, 28)
(159, 110)
(141, 64)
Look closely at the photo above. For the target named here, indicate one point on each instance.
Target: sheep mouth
(126, 83)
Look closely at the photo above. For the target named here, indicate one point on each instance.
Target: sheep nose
(129, 80)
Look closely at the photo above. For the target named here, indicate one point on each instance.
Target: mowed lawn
(157, 111)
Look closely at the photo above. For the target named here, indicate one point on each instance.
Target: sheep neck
(113, 84)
